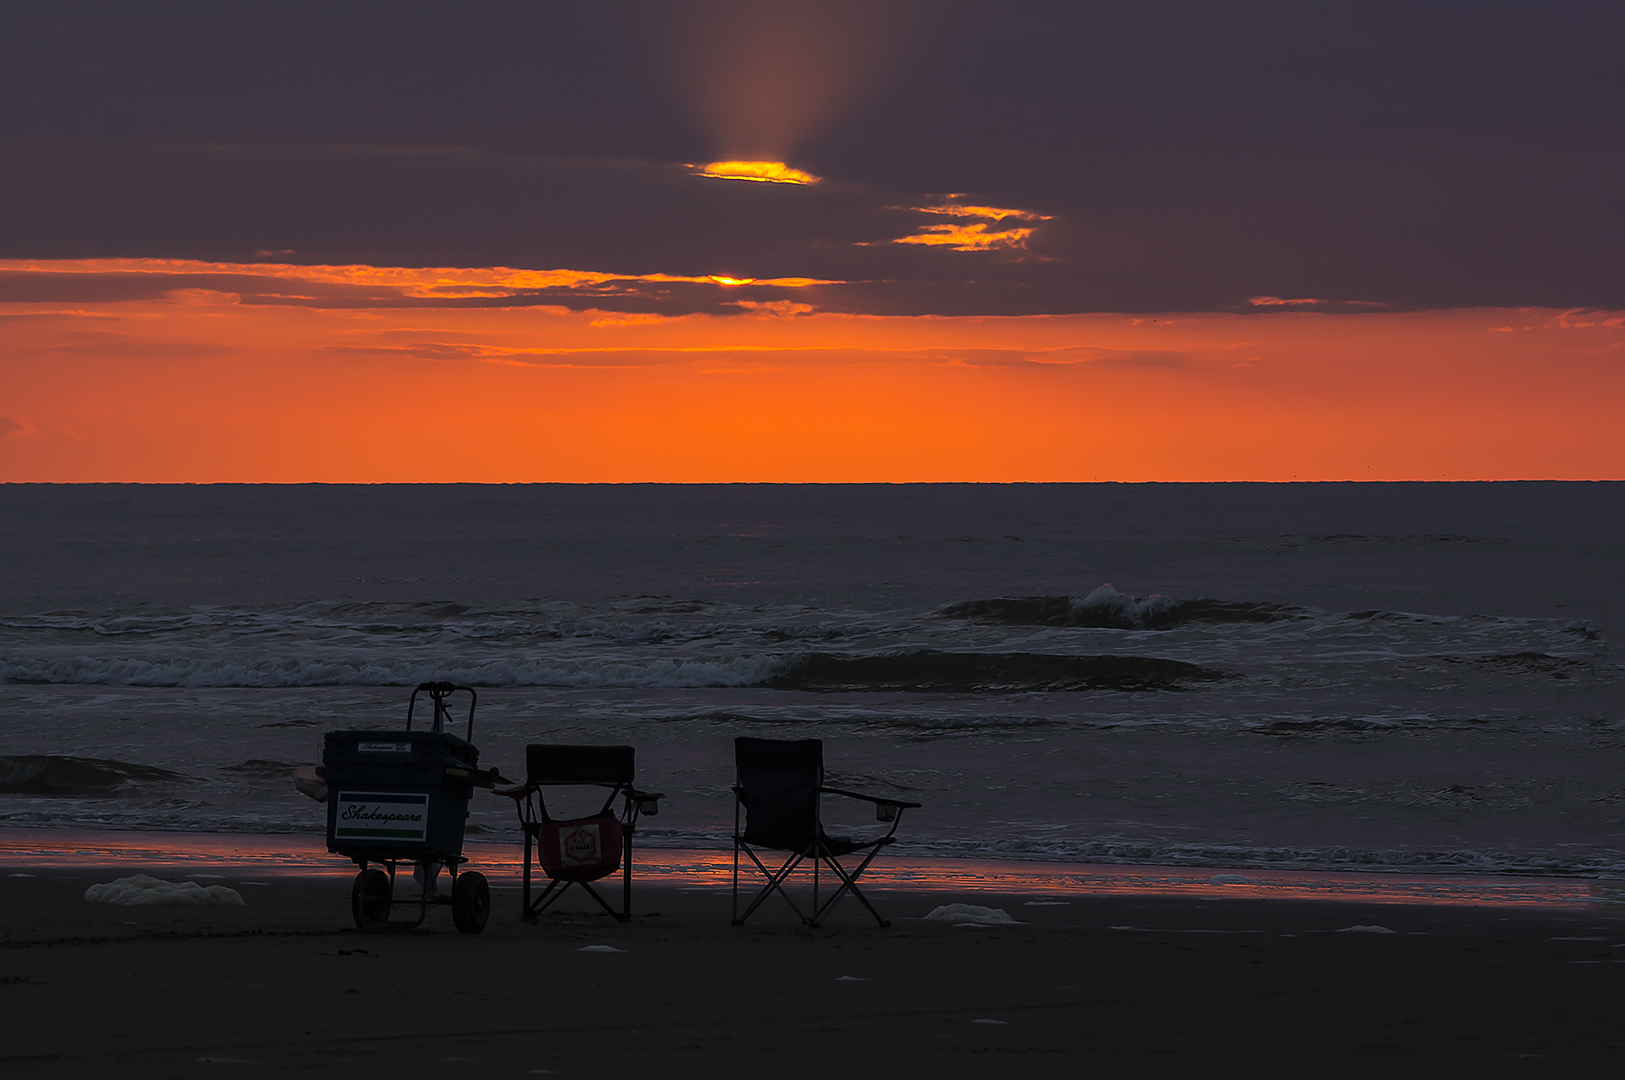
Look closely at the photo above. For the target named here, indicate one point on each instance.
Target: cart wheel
(369, 897)
(470, 902)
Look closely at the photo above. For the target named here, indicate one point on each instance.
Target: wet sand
(1144, 983)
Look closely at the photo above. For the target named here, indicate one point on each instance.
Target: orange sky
(199, 385)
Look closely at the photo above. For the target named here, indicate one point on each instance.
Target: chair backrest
(779, 781)
(552, 764)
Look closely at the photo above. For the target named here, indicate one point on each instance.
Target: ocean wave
(1108, 609)
(284, 672)
(327, 625)
(875, 723)
(927, 670)
(261, 770)
(60, 775)
(1153, 853)
(923, 670)
(1531, 663)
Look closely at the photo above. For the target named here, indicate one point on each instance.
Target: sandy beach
(1148, 983)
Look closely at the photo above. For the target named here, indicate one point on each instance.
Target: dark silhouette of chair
(579, 851)
(780, 792)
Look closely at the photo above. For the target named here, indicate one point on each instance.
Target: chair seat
(579, 851)
(833, 845)
(846, 845)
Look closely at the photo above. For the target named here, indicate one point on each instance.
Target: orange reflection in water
(306, 856)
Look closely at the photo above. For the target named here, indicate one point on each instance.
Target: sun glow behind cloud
(762, 172)
(354, 285)
(113, 377)
(977, 236)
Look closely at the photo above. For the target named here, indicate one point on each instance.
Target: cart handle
(439, 692)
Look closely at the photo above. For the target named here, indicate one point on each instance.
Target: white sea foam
(1107, 600)
(971, 915)
(144, 891)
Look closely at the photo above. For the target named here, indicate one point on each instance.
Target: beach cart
(401, 797)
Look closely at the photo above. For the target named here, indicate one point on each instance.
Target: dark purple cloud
(1189, 156)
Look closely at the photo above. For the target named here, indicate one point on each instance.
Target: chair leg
(849, 883)
(524, 904)
(626, 876)
(775, 883)
(618, 916)
(555, 889)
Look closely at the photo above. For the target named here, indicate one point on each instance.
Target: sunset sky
(825, 241)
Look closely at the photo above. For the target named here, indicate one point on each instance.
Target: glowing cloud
(761, 172)
(990, 213)
(1276, 301)
(774, 307)
(1312, 302)
(972, 237)
(967, 237)
(320, 286)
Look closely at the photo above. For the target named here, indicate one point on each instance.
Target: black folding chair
(580, 851)
(780, 792)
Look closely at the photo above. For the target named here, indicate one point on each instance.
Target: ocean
(1399, 676)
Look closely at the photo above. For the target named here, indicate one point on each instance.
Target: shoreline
(299, 855)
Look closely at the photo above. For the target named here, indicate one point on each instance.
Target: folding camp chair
(780, 791)
(580, 851)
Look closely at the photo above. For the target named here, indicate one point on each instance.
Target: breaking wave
(54, 775)
(916, 670)
(1108, 609)
(926, 670)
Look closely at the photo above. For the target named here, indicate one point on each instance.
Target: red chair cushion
(585, 849)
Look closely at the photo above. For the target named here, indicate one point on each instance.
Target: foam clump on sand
(972, 915)
(144, 891)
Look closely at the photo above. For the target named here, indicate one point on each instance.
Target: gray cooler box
(397, 794)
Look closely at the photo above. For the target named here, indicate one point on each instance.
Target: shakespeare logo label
(376, 815)
(384, 747)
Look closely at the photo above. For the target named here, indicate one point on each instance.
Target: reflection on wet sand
(305, 855)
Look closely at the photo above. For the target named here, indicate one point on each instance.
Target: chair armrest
(485, 778)
(885, 809)
(901, 804)
(518, 792)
